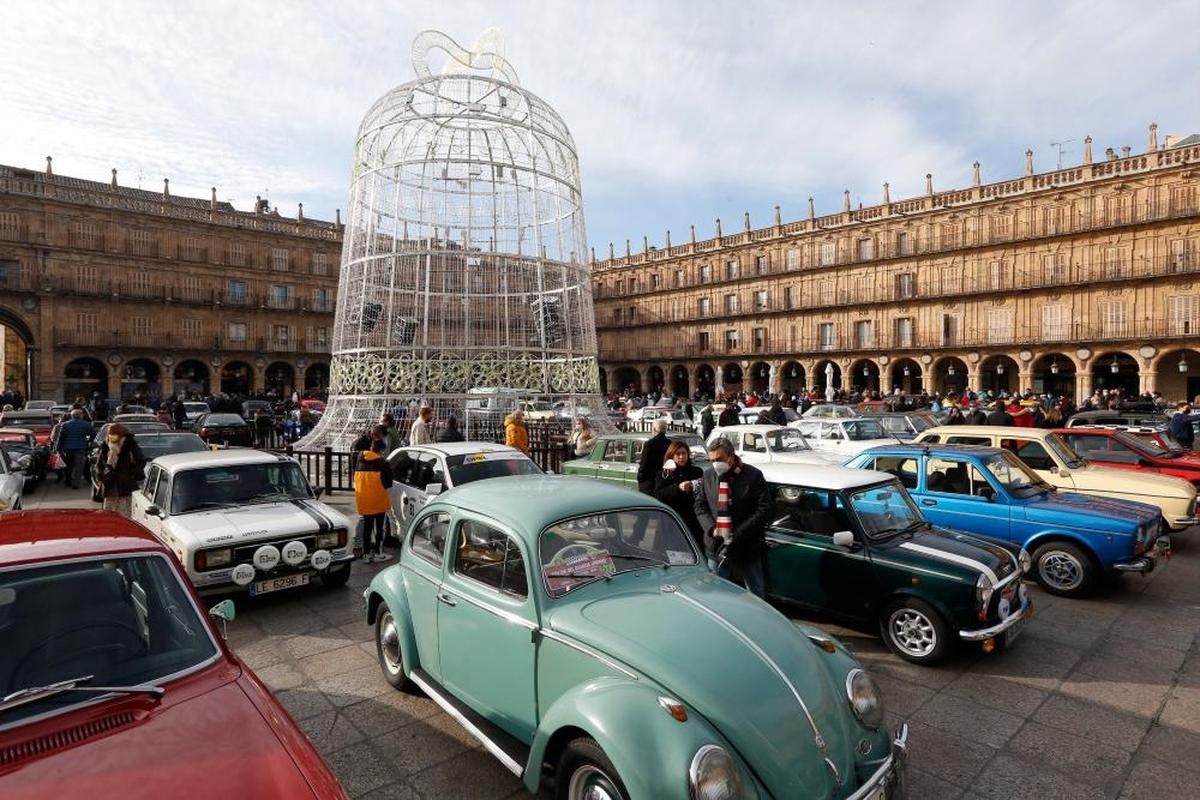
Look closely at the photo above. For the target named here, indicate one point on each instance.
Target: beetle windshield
(786, 440)
(884, 509)
(478, 466)
(123, 621)
(584, 549)
(1013, 475)
(237, 484)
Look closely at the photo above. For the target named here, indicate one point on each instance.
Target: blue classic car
(1074, 539)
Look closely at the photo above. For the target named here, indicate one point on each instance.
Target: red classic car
(114, 683)
(1128, 450)
(40, 422)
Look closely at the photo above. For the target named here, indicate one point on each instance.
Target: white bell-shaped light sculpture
(463, 281)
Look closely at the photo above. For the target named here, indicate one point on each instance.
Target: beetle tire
(924, 615)
(1067, 554)
(336, 576)
(580, 756)
(393, 675)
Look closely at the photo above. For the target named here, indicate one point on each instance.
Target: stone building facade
(105, 288)
(1087, 276)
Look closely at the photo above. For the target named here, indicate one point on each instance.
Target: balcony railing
(97, 339)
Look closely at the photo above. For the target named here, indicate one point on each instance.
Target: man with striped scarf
(733, 505)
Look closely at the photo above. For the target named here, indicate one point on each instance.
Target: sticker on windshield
(478, 458)
(575, 562)
(676, 557)
(213, 476)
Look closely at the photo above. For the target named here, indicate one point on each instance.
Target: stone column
(974, 377)
(775, 379)
(1147, 379)
(719, 379)
(114, 379)
(166, 380)
(1024, 379)
(1083, 383)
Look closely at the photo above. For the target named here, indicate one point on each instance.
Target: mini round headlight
(713, 775)
(863, 695)
(983, 591)
(1024, 560)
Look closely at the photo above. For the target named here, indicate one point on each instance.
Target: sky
(682, 111)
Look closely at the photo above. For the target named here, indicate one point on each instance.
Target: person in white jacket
(420, 432)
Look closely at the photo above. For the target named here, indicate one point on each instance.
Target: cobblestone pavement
(1099, 698)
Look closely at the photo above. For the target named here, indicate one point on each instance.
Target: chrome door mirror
(843, 539)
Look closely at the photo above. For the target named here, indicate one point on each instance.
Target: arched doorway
(731, 377)
(1178, 375)
(1054, 374)
(191, 378)
(316, 379)
(864, 375)
(603, 381)
(760, 376)
(237, 378)
(998, 374)
(905, 375)
(628, 380)
(826, 373)
(950, 376)
(706, 380)
(1115, 370)
(280, 379)
(15, 341)
(140, 380)
(654, 379)
(792, 379)
(84, 377)
(679, 381)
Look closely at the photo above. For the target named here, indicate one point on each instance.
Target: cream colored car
(1049, 456)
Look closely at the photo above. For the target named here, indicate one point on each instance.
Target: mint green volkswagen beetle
(573, 629)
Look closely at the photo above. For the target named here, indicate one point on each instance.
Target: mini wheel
(1064, 569)
(585, 773)
(915, 631)
(387, 646)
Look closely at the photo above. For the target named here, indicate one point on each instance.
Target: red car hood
(211, 744)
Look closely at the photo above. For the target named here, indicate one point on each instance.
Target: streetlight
(1113, 367)
(1054, 367)
(1182, 365)
(949, 369)
(999, 368)
(906, 370)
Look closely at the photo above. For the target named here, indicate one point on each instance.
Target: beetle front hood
(736, 661)
(1069, 508)
(256, 521)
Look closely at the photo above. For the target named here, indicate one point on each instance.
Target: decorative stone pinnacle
(166, 187)
(887, 194)
(114, 178)
(747, 221)
(778, 218)
(846, 200)
(718, 227)
(929, 183)
(812, 209)
(300, 211)
(49, 167)
(975, 175)
(1028, 162)
(1152, 143)
(1087, 150)
(668, 240)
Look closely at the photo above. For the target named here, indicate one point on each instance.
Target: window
(236, 293)
(616, 315)
(1114, 266)
(318, 339)
(864, 333)
(1000, 325)
(10, 273)
(1114, 211)
(904, 332)
(10, 225)
(704, 342)
(826, 254)
(281, 334)
(955, 477)
(754, 443)
(995, 276)
(1000, 226)
(760, 300)
(1054, 322)
(237, 332)
(85, 323)
(951, 234)
(191, 249)
(760, 265)
(1112, 316)
(1178, 257)
(863, 285)
(903, 243)
(760, 339)
(906, 283)
(237, 254)
(191, 328)
(826, 291)
(789, 297)
(279, 259)
(491, 557)
(189, 288)
(731, 269)
(655, 280)
(139, 283)
(906, 469)
(162, 490)
(793, 258)
(1054, 219)
(617, 451)
(731, 341)
(951, 280)
(280, 296)
(1054, 269)
(142, 243)
(866, 249)
(141, 326)
(706, 273)
(679, 277)
(1033, 453)
(320, 264)
(429, 537)
(1182, 312)
(704, 307)
(950, 328)
(320, 299)
(731, 303)
(83, 234)
(826, 335)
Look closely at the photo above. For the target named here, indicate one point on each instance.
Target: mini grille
(22, 751)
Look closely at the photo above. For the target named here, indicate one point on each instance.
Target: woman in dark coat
(673, 486)
(120, 469)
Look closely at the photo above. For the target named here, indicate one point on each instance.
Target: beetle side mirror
(843, 539)
(433, 488)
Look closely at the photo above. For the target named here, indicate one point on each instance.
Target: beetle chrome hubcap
(1061, 570)
(590, 783)
(912, 632)
(389, 644)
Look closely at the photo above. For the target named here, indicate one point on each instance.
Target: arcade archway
(998, 373)
(237, 378)
(864, 375)
(679, 381)
(141, 379)
(1054, 374)
(792, 378)
(316, 379)
(192, 378)
(1115, 370)
(85, 378)
(760, 376)
(280, 379)
(905, 375)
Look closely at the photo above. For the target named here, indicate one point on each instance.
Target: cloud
(681, 111)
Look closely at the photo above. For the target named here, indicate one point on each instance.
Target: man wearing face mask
(733, 506)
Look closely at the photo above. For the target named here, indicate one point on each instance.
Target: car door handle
(443, 597)
(925, 501)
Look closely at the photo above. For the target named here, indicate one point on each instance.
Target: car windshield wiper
(590, 579)
(34, 693)
(207, 504)
(632, 557)
(272, 495)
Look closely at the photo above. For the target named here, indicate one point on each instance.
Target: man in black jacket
(735, 527)
(998, 416)
(653, 454)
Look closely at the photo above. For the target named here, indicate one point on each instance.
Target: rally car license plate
(276, 584)
(1012, 633)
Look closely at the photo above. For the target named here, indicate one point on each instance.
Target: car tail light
(204, 431)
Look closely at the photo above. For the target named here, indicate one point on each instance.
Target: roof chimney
(337, 216)
(1125, 151)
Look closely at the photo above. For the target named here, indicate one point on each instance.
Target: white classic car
(243, 518)
(12, 483)
(421, 472)
(839, 439)
(765, 444)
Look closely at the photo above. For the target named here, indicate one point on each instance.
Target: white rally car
(421, 472)
(243, 518)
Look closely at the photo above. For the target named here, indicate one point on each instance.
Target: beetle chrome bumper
(888, 781)
(983, 634)
(1147, 562)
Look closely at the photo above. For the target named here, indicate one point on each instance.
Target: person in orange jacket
(515, 433)
(372, 479)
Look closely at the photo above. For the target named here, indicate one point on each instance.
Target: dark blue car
(1074, 539)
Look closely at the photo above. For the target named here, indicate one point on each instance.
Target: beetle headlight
(983, 591)
(713, 775)
(1024, 560)
(863, 695)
